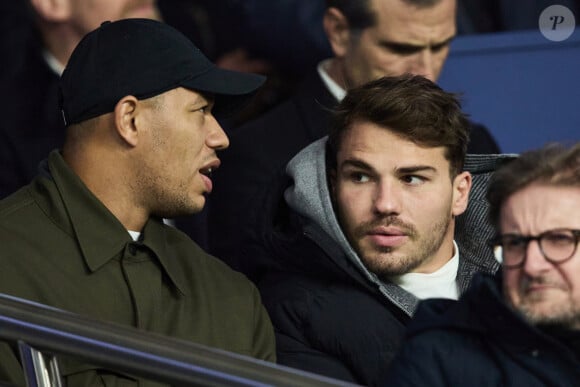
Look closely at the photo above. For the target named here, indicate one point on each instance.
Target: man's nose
(424, 65)
(387, 199)
(217, 138)
(535, 262)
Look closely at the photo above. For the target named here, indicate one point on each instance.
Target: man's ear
(52, 10)
(125, 114)
(461, 189)
(337, 31)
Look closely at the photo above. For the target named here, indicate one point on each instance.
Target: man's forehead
(404, 23)
(374, 145)
(525, 210)
(401, 7)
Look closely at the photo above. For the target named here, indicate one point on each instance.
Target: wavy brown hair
(410, 106)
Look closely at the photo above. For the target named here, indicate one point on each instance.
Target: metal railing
(43, 333)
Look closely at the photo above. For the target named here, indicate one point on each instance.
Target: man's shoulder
(281, 123)
(468, 316)
(21, 210)
(323, 300)
(297, 118)
(444, 327)
(15, 203)
(481, 140)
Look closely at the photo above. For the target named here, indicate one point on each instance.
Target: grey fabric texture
(473, 229)
(309, 196)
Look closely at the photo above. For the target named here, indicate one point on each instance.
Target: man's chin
(185, 209)
(386, 265)
(548, 312)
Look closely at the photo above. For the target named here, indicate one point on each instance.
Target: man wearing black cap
(87, 234)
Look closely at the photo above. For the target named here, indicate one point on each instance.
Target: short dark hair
(553, 164)
(412, 107)
(360, 14)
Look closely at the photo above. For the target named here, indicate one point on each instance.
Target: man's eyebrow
(416, 168)
(356, 163)
(409, 48)
(443, 43)
(201, 100)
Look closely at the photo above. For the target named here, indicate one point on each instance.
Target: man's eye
(513, 243)
(413, 180)
(404, 50)
(203, 110)
(359, 177)
(558, 238)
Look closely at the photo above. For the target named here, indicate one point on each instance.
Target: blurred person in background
(42, 38)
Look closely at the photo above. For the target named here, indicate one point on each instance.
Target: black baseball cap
(143, 58)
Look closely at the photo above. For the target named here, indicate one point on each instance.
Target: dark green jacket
(62, 247)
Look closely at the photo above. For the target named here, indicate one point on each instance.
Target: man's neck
(107, 182)
(440, 283)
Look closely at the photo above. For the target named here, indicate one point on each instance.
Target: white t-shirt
(135, 235)
(439, 284)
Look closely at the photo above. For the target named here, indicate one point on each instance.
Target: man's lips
(207, 182)
(541, 287)
(387, 236)
(206, 172)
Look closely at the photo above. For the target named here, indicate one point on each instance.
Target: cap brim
(231, 89)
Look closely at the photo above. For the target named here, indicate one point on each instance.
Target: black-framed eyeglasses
(557, 246)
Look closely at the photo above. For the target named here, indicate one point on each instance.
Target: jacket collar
(100, 235)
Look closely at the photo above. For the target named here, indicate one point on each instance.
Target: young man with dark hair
(521, 327)
(366, 229)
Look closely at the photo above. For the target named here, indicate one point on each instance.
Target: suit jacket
(258, 154)
(31, 124)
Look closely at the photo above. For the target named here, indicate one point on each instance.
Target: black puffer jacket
(331, 315)
(480, 341)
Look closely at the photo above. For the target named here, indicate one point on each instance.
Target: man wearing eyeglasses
(521, 327)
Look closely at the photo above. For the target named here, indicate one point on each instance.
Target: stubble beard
(163, 199)
(565, 313)
(385, 262)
